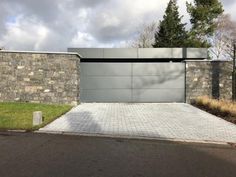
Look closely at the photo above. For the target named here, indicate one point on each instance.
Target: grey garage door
(132, 82)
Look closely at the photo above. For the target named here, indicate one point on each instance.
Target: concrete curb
(15, 131)
(137, 137)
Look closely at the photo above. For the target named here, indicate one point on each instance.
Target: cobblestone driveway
(162, 121)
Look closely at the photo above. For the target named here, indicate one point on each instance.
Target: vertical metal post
(234, 73)
(234, 54)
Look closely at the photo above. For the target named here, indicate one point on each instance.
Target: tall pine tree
(171, 32)
(203, 14)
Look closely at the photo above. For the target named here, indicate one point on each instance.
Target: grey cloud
(228, 2)
(116, 24)
(51, 10)
(58, 24)
(55, 15)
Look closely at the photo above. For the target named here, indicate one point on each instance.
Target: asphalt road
(36, 155)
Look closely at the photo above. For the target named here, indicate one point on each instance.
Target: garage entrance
(112, 82)
(131, 75)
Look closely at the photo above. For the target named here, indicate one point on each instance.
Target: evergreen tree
(203, 14)
(171, 32)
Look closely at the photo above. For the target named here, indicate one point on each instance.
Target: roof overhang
(142, 53)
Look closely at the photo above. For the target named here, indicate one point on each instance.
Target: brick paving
(144, 120)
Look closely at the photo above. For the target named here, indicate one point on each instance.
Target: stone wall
(39, 77)
(54, 78)
(210, 78)
(226, 80)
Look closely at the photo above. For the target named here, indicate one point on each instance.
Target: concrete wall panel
(155, 82)
(106, 95)
(159, 95)
(106, 69)
(154, 69)
(106, 82)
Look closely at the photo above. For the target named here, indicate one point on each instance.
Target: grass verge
(221, 108)
(18, 116)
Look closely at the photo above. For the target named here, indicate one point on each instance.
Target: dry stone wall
(39, 77)
(210, 78)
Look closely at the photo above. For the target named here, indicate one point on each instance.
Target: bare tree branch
(222, 40)
(145, 37)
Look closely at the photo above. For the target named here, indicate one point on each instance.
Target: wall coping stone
(208, 60)
(40, 52)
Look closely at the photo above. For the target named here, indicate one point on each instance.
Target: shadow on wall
(142, 79)
(165, 76)
(170, 76)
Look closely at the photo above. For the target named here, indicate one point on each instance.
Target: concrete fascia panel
(199, 53)
(155, 53)
(121, 53)
(177, 53)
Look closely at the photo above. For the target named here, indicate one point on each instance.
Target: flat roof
(142, 53)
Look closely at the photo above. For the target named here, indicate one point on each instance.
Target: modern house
(113, 75)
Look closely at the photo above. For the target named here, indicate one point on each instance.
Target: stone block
(31, 89)
(46, 91)
(26, 79)
(37, 118)
(20, 67)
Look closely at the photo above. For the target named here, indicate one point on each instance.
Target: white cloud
(58, 24)
(27, 34)
(82, 40)
(231, 10)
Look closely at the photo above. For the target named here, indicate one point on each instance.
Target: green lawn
(19, 115)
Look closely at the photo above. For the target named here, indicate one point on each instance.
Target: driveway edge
(137, 137)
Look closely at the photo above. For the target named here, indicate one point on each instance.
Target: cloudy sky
(58, 24)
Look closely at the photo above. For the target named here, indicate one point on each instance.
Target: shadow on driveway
(181, 122)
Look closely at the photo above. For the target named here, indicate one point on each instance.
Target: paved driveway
(161, 121)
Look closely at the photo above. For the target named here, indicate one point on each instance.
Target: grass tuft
(222, 108)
